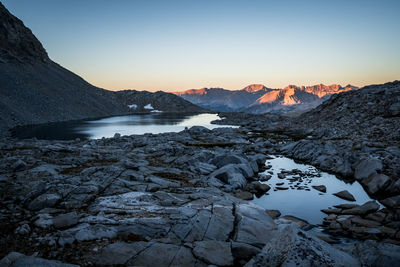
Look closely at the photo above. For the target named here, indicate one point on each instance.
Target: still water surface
(125, 125)
(306, 204)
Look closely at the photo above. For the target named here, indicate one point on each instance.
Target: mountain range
(257, 98)
(34, 89)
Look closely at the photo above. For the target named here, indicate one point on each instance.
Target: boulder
(44, 201)
(290, 246)
(196, 130)
(372, 253)
(345, 195)
(226, 159)
(230, 174)
(244, 195)
(366, 208)
(366, 167)
(254, 225)
(261, 188)
(214, 252)
(273, 213)
(321, 188)
(376, 182)
(242, 252)
(392, 202)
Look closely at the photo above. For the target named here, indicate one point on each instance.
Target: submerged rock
(345, 195)
(321, 188)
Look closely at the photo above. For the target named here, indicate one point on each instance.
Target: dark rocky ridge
(17, 43)
(34, 89)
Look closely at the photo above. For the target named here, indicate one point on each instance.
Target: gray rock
(3, 179)
(258, 158)
(19, 165)
(205, 168)
(261, 188)
(44, 221)
(345, 195)
(367, 167)
(300, 222)
(15, 259)
(372, 253)
(184, 257)
(254, 225)
(392, 202)
(366, 208)
(273, 213)
(221, 223)
(244, 195)
(289, 246)
(230, 174)
(117, 253)
(321, 188)
(195, 130)
(226, 159)
(243, 252)
(214, 252)
(44, 201)
(394, 109)
(23, 229)
(158, 254)
(376, 182)
(87, 232)
(65, 220)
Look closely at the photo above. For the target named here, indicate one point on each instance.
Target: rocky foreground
(173, 199)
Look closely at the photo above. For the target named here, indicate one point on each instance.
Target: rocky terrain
(34, 89)
(257, 98)
(170, 199)
(185, 199)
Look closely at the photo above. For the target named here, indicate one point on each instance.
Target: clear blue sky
(177, 45)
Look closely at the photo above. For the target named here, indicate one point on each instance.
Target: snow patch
(148, 106)
(156, 111)
(134, 106)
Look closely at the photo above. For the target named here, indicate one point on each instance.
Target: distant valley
(257, 98)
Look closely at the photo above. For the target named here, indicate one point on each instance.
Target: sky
(177, 45)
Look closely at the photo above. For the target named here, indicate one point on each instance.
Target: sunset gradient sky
(178, 45)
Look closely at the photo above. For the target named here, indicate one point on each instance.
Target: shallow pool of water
(125, 125)
(301, 203)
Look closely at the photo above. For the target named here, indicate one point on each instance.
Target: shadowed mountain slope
(34, 89)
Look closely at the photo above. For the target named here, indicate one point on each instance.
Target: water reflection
(125, 125)
(306, 204)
